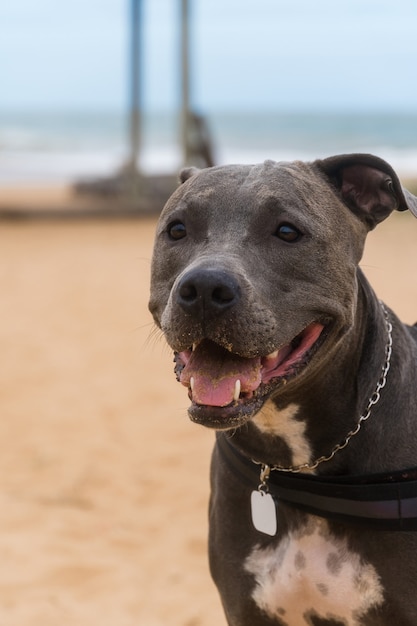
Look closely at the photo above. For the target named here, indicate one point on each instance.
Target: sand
(103, 479)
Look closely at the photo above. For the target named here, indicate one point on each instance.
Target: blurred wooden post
(185, 79)
(135, 86)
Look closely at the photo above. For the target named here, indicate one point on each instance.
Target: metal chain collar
(374, 399)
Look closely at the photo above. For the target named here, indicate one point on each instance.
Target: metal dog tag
(264, 512)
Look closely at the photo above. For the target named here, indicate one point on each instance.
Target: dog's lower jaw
(226, 417)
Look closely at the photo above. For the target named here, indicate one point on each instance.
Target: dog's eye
(288, 233)
(176, 230)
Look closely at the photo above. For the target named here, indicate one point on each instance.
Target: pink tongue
(215, 372)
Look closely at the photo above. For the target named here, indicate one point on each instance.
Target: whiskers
(232, 431)
(155, 337)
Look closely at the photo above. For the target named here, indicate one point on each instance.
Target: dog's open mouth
(227, 389)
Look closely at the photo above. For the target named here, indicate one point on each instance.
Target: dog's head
(254, 274)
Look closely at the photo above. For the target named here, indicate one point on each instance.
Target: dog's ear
(368, 185)
(187, 173)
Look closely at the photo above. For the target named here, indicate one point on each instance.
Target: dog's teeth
(236, 392)
(194, 346)
(191, 383)
(273, 355)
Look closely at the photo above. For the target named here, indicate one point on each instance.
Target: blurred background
(281, 79)
(103, 479)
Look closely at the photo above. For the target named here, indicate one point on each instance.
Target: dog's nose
(205, 291)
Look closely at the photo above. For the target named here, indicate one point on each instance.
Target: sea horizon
(39, 147)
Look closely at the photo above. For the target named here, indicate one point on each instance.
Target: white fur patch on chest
(272, 421)
(313, 573)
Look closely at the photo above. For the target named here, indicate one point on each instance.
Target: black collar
(378, 501)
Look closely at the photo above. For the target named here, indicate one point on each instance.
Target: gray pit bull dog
(308, 379)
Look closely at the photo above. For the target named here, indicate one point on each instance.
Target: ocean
(63, 147)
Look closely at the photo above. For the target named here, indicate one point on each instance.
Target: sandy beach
(103, 479)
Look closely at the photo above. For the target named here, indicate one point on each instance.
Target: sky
(272, 55)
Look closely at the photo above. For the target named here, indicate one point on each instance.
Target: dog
(309, 381)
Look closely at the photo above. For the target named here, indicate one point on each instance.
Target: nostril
(188, 293)
(223, 295)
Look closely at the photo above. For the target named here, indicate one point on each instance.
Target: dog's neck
(308, 420)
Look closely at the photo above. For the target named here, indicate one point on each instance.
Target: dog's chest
(311, 573)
